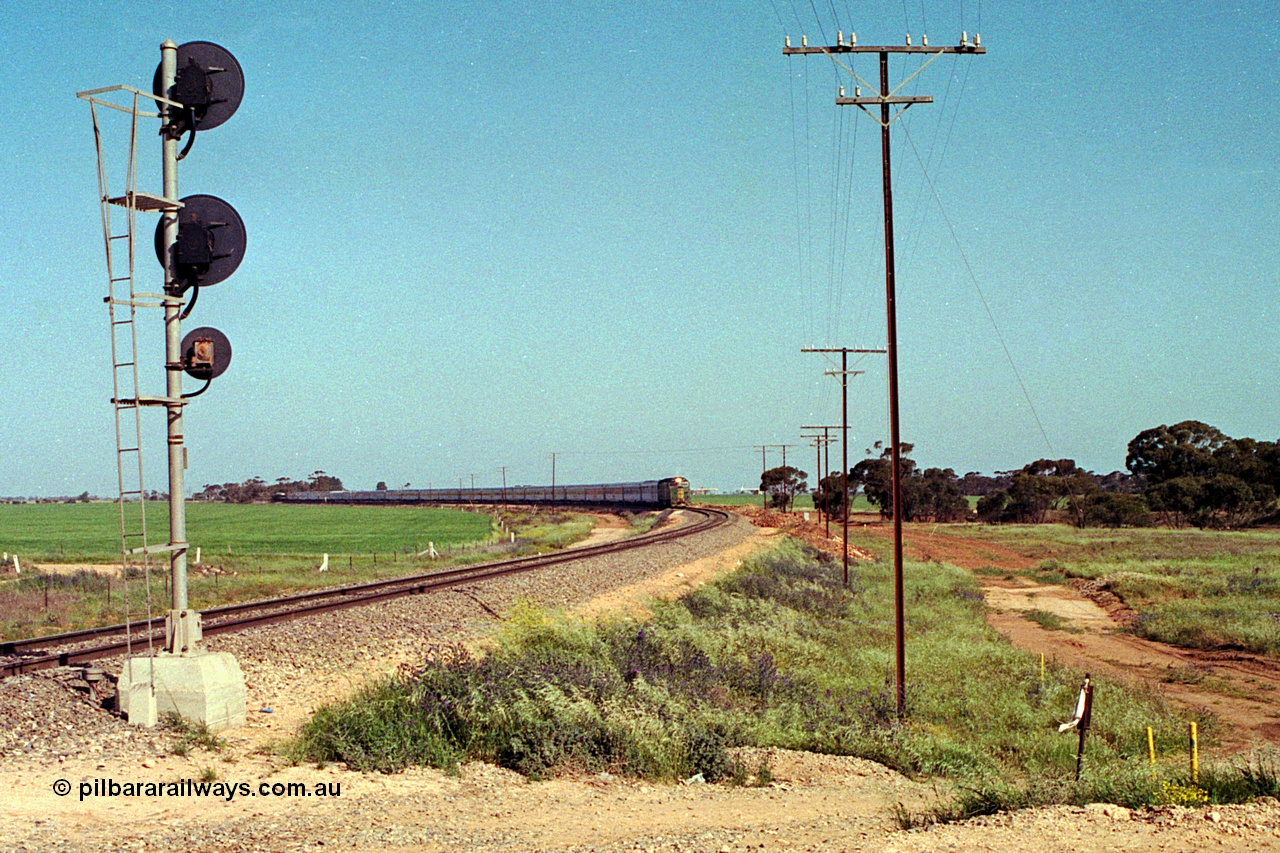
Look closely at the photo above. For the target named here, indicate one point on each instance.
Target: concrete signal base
(203, 686)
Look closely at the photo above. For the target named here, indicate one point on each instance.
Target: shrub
(778, 654)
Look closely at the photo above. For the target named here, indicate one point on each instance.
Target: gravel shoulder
(821, 803)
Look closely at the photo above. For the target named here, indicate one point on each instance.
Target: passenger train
(672, 491)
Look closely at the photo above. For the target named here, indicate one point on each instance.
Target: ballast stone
(205, 686)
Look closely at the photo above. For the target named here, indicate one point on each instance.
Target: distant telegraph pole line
(844, 373)
(824, 453)
(886, 99)
(764, 466)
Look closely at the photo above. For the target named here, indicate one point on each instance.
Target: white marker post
(324, 564)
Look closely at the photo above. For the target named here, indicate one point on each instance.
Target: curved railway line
(80, 647)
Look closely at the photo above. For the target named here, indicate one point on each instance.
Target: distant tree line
(1195, 474)
(1188, 473)
(257, 489)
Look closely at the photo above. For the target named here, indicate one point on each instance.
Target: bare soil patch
(1241, 689)
(811, 532)
(109, 569)
(633, 600)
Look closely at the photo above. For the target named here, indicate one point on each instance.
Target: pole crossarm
(862, 103)
(841, 349)
(886, 48)
(892, 99)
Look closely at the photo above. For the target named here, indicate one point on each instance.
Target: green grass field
(1201, 589)
(247, 552)
(89, 532)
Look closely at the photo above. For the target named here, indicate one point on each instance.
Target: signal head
(206, 353)
(209, 83)
(211, 241)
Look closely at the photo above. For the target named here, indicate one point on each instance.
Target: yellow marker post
(1151, 750)
(1042, 667)
(1195, 756)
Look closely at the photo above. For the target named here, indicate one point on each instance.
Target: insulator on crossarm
(977, 40)
(924, 40)
(842, 91)
(964, 38)
(804, 41)
(857, 91)
(839, 38)
(853, 38)
(788, 41)
(908, 39)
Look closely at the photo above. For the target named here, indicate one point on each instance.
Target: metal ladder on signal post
(123, 302)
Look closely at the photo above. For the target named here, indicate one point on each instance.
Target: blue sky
(481, 233)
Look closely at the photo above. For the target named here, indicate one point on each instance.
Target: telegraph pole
(886, 99)
(503, 469)
(764, 466)
(819, 442)
(844, 373)
(825, 467)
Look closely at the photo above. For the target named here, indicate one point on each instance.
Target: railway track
(18, 656)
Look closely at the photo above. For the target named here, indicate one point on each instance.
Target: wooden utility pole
(821, 443)
(887, 99)
(764, 466)
(844, 373)
(824, 468)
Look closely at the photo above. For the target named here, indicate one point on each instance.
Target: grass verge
(780, 654)
(1199, 589)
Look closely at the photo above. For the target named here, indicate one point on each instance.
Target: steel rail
(285, 608)
(13, 647)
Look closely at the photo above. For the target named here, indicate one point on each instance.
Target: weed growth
(780, 654)
(1050, 621)
(191, 733)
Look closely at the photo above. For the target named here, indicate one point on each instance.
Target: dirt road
(1241, 689)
